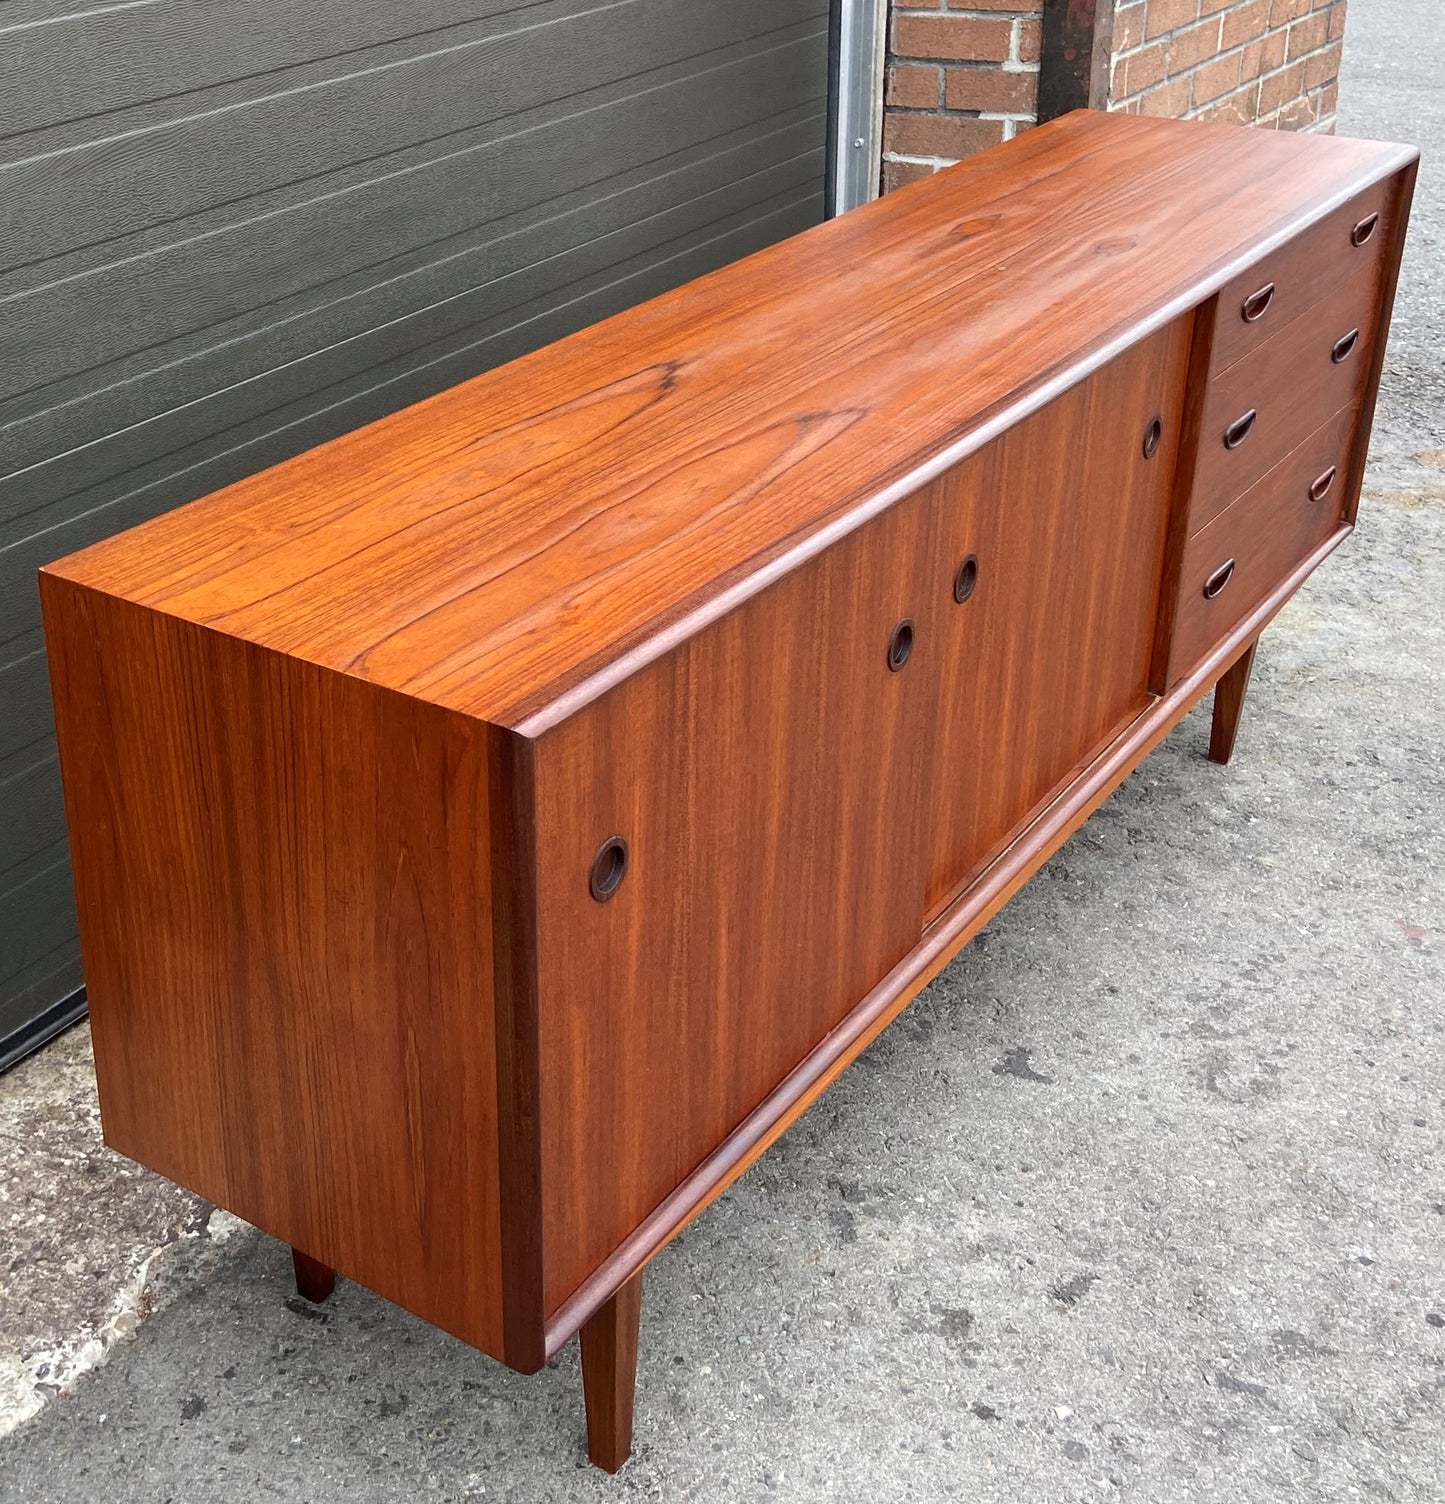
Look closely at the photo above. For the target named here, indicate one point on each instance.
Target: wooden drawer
(1311, 368)
(1231, 565)
(1277, 289)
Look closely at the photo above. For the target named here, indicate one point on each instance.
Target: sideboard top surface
(514, 546)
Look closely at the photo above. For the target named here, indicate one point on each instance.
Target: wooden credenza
(493, 828)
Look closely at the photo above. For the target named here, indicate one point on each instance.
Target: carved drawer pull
(1366, 227)
(1256, 305)
(1322, 484)
(900, 645)
(609, 867)
(1240, 430)
(1153, 435)
(1219, 579)
(1343, 345)
(965, 579)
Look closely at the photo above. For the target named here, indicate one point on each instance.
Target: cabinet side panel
(768, 778)
(1067, 517)
(283, 881)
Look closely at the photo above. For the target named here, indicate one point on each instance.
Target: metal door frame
(858, 34)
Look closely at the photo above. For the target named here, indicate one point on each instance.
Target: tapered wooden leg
(609, 1375)
(314, 1280)
(1229, 696)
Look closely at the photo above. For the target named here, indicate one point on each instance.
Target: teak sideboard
(492, 828)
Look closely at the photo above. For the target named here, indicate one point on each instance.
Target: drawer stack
(1287, 351)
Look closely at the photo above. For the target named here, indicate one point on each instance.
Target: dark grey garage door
(230, 229)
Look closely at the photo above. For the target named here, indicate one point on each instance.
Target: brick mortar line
(1126, 99)
(943, 111)
(1013, 63)
(962, 64)
(905, 159)
(933, 162)
(1255, 121)
(1259, 78)
(1232, 5)
(1214, 57)
(1020, 13)
(1219, 57)
(1240, 89)
(1273, 31)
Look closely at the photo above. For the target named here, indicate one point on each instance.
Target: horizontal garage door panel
(232, 232)
(142, 174)
(25, 694)
(362, 330)
(124, 54)
(49, 937)
(362, 392)
(647, 150)
(29, 996)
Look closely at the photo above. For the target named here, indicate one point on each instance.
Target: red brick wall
(963, 74)
(1275, 62)
(960, 77)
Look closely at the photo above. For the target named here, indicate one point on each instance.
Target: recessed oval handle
(1341, 348)
(1366, 227)
(1219, 579)
(900, 645)
(965, 578)
(609, 867)
(1256, 305)
(1320, 486)
(1153, 436)
(1240, 430)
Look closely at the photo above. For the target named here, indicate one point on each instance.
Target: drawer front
(1346, 246)
(1234, 562)
(1264, 406)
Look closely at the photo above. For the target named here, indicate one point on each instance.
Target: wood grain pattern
(1305, 271)
(513, 547)
(1290, 383)
(1229, 694)
(283, 878)
(707, 753)
(940, 943)
(1265, 533)
(770, 779)
(232, 232)
(516, 961)
(1403, 194)
(609, 1374)
(1196, 386)
(1067, 519)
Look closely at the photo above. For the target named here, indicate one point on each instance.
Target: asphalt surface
(1144, 1198)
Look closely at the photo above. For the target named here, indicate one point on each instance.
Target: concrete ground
(1143, 1198)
